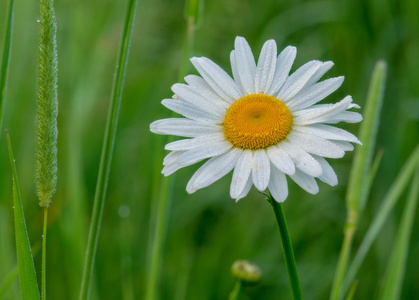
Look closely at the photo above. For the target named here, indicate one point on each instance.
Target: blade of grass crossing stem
(164, 195)
(27, 275)
(390, 199)
(358, 182)
(108, 143)
(6, 59)
(396, 268)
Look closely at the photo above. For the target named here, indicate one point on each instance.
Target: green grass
(207, 231)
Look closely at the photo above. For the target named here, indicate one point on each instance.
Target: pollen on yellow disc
(257, 121)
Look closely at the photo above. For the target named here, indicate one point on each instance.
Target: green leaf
(390, 199)
(27, 276)
(6, 58)
(397, 264)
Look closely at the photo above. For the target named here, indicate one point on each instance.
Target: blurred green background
(207, 231)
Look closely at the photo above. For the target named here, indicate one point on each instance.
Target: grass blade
(27, 276)
(6, 59)
(397, 264)
(387, 205)
(107, 150)
(358, 186)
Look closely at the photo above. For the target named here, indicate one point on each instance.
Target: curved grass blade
(397, 264)
(6, 58)
(107, 150)
(359, 183)
(390, 199)
(27, 276)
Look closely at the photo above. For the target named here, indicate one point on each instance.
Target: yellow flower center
(257, 121)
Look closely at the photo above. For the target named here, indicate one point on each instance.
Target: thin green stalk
(44, 255)
(287, 248)
(165, 194)
(107, 150)
(234, 295)
(6, 59)
(359, 184)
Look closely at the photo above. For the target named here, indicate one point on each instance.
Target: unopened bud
(247, 272)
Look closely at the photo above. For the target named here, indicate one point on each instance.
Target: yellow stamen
(257, 121)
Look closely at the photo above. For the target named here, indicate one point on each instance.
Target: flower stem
(44, 254)
(234, 295)
(287, 248)
(107, 150)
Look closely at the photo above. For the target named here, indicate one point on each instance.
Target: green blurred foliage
(207, 231)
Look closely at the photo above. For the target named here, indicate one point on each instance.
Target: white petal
(194, 97)
(235, 71)
(199, 85)
(346, 146)
(171, 164)
(281, 160)
(192, 111)
(261, 169)
(212, 170)
(278, 185)
(321, 112)
(346, 116)
(282, 69)
(197, 154)
(217, 78)
(241, 173)
(246, 65)
(326, 66)
(201, 141)
(328, 176)
(303, 161)
(298, 80)
(314, 93)
(306, 182)
(246, 189)
(172, 157)
(315, 145)
(265, 69)
(182, 127)
(327, 132)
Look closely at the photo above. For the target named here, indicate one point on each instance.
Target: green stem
(234, 295)
(165, 195)
(107, 150)
(287, 248)
(44, 254)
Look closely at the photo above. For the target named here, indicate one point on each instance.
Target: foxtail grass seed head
(47, 106)
(263, 123)
(246, 272)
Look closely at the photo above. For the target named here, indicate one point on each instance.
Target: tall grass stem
(393, 281)
(165, 192)
(359, 183)
(44, 255)
(389, 200)
(7, 48)
(107, 150)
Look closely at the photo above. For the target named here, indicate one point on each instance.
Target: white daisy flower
(263, 124)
